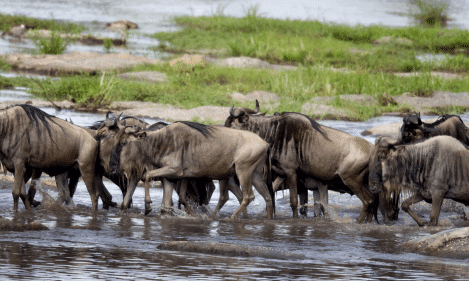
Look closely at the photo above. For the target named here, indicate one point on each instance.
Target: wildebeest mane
(36, 116)
(203, 129)
(157, 126)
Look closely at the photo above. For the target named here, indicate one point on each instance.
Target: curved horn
(119, 122)
(257, 107)
(231, 110)
(132, 130)
(108, 122)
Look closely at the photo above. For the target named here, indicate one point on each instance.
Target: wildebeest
(32, 139)
(301, 145)
(190, 150)
(430, 170)
(413, 129)
(198, 190)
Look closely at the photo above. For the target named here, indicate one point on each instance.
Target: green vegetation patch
(313, 42)
(211, 85)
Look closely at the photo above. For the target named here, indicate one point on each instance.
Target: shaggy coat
(430, 170)
(190, 150)
(302, 146)
(31, 139)
(413, 129)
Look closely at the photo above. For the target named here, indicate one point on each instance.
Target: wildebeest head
(240, 116)
(121, 150)
(385, 148)
(410, 131)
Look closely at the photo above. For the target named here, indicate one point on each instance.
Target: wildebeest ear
(244, 118)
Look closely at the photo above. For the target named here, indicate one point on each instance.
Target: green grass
(212, 85)
(54, 45)
(8, 21)
(430, 13)
(311, 42)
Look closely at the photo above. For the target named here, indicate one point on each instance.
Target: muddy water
(114, 245)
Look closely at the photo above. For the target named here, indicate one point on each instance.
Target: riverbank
(338, 77)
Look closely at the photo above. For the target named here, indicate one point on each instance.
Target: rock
(393, 40)
(444, 75)
(439, 242)
(121, 25)
(188, 62)
(227, 249)
(439, 99)
(242, 62)
(261, 96)
(150, 76)
(323, 111)
(17, 31)
(353, 97)
(8, 225)
(238, 96)
(389, 130)
(217, 114)
(75, 62)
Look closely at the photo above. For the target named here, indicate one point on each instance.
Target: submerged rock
(226, 249)
(452, 241)
(8, 225)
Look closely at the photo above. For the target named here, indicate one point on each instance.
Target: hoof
(147, 211)
(304, 211)
(35, 203)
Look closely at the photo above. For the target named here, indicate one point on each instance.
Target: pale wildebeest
(190, 150)
(198, 190)
(413, 129)
(324, 154)
(32, 139)
(430, 170)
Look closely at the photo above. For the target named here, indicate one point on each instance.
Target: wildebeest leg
(261, 187)
(223, 198)
(182, 197)
(279, 181)
(36, 174)
(130, 191)
(369, 209)
(291, 182)
(320, 195)
(245, 179)
(61, 182)
(106, 197)
(210, 189)
(236, 190)
(19, 189)
(87, 172)
(168, 187)
(406, 207)
(159, 173)
(437, 200)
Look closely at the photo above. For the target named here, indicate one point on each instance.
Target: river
(114, 245)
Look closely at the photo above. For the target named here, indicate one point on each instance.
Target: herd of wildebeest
(287, 150)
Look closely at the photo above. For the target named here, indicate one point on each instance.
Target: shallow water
(115, 245)
(154, 16)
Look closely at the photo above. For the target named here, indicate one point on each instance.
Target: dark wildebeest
(324, 154)
(32, 139)
(413, 129)
(190, 150)
(430, 170)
